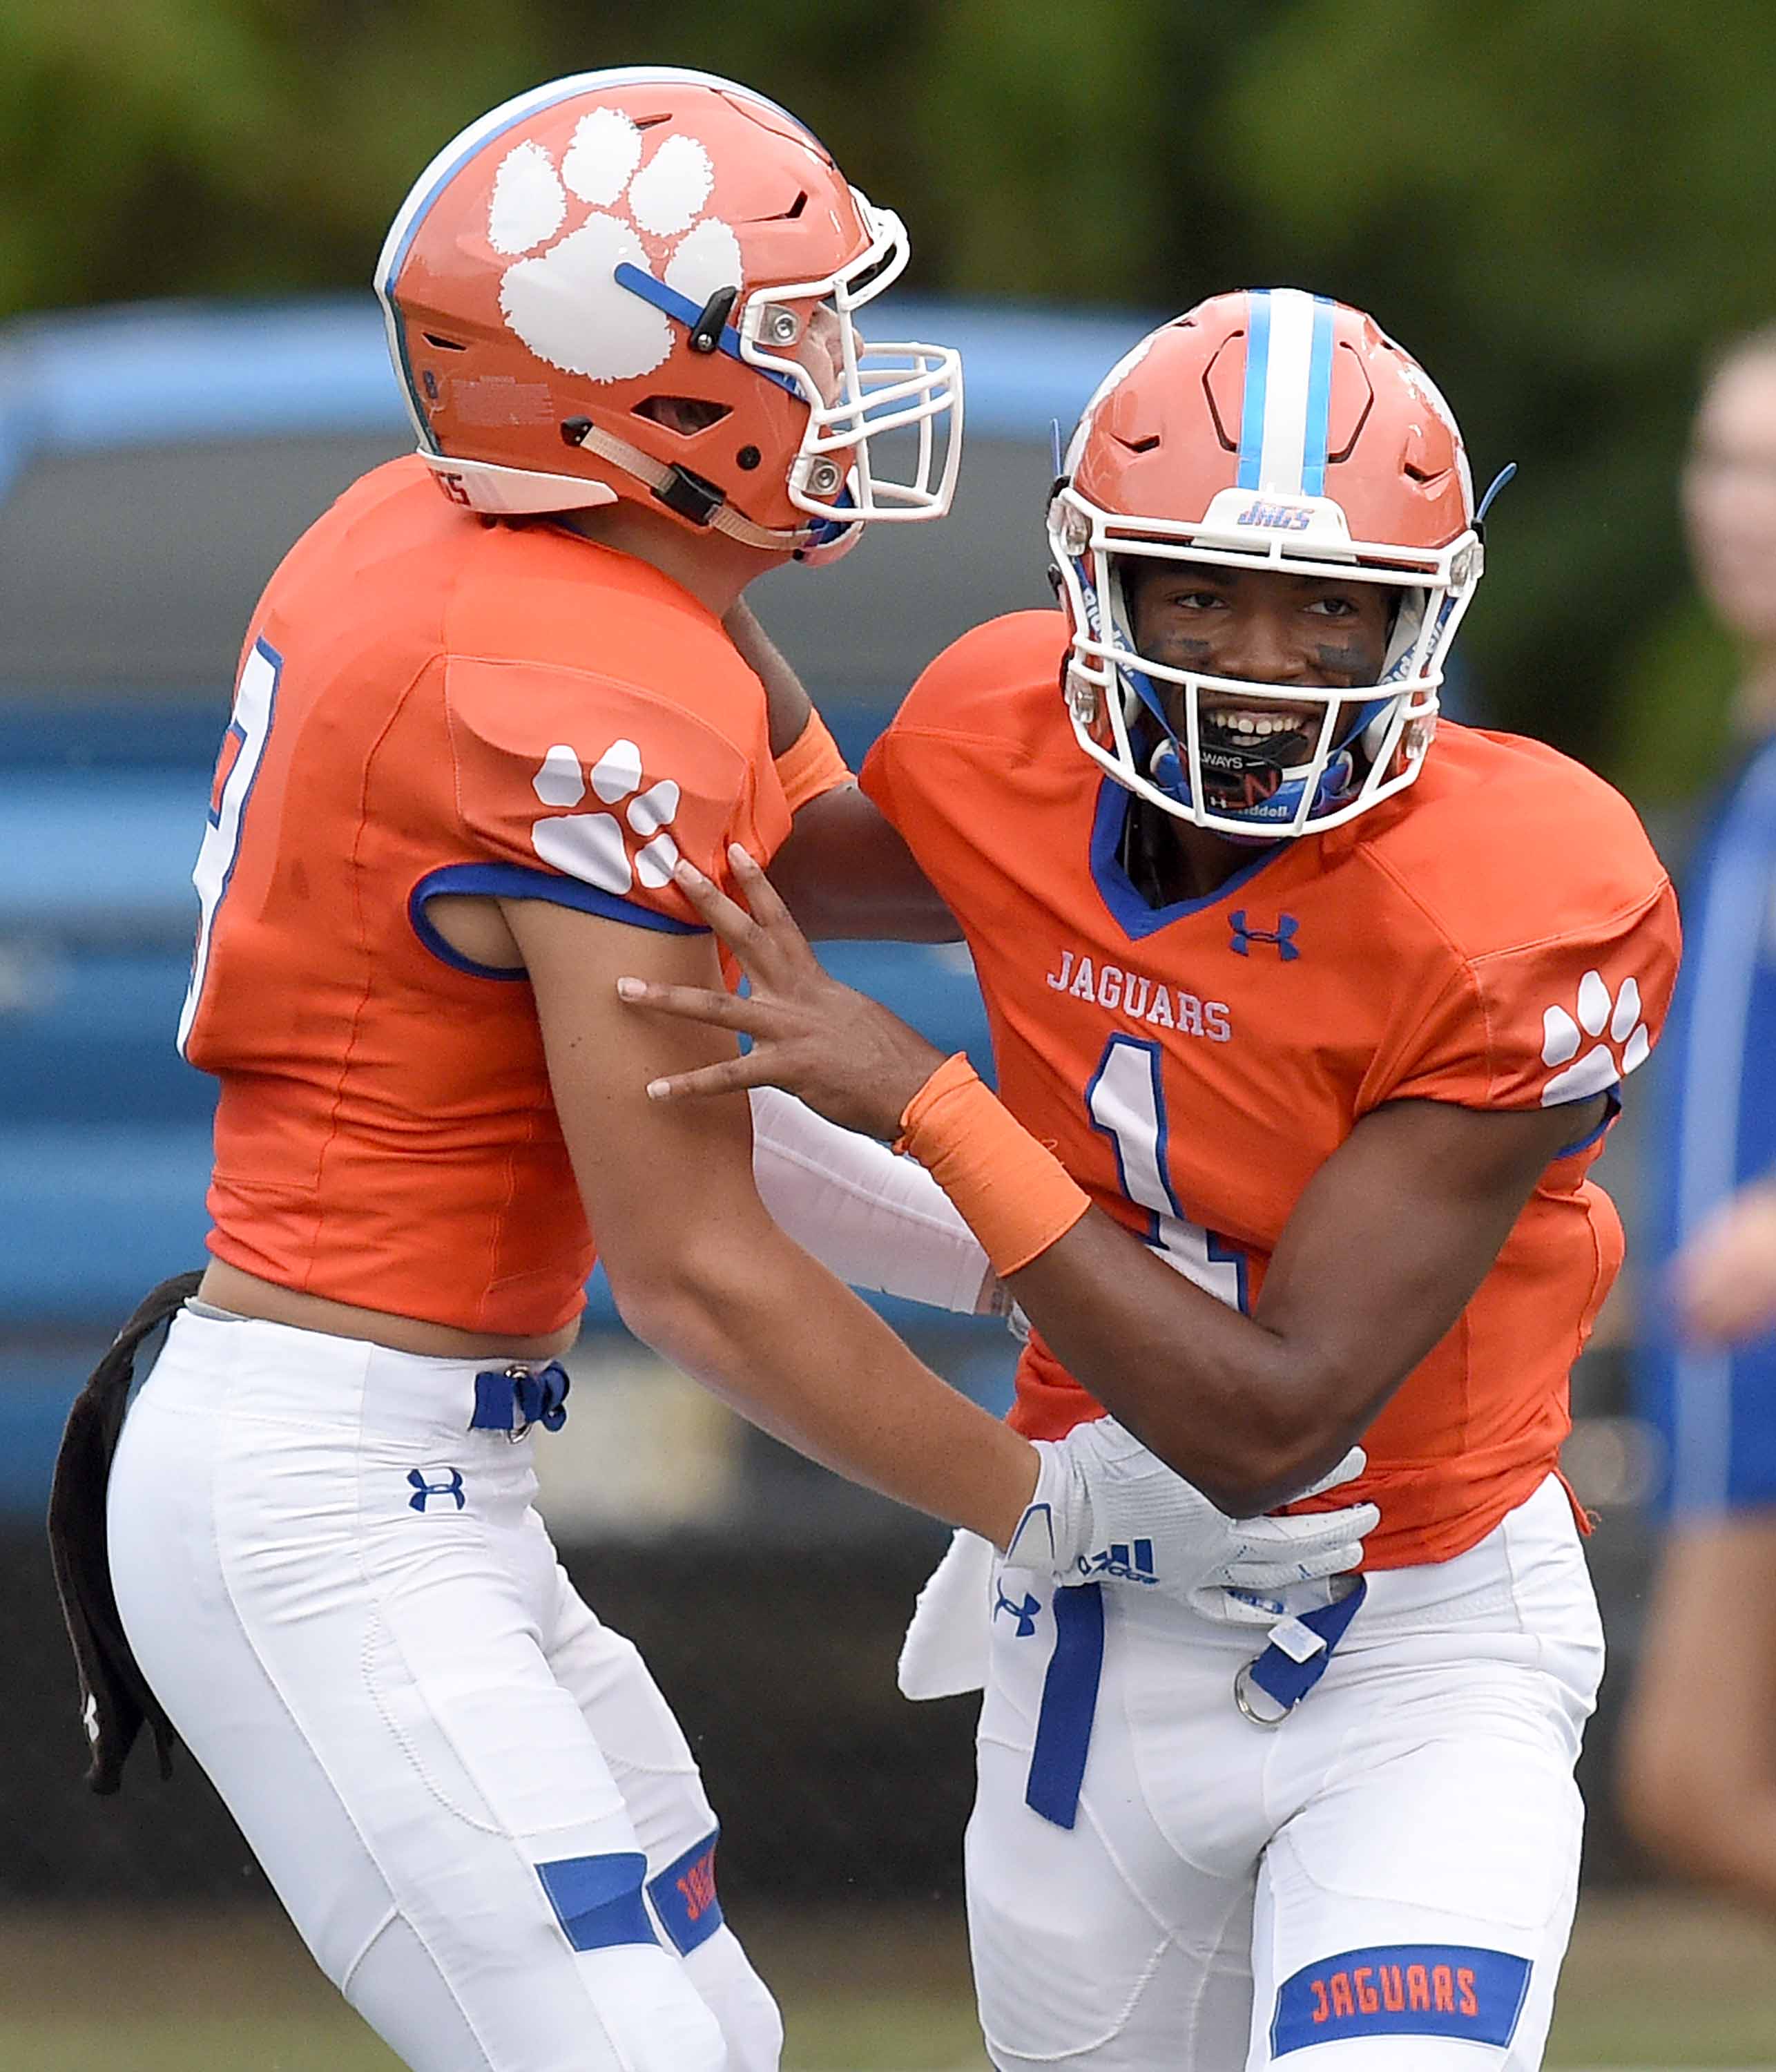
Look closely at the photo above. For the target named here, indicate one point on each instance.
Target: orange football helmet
(1274, 427)
(639, 283)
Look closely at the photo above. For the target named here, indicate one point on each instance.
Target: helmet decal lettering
(1278, 517)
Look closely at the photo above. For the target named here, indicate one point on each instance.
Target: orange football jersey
(1500, 936)
(431, 702)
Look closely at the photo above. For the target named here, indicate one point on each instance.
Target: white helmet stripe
(1284, 421)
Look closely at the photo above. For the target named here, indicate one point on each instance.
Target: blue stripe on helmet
(682, 310)
(1319, 401)
(385, 282)
(456, 165)
(1252, 416)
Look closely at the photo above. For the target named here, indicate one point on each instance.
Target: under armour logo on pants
(1025, 1614)
(424, 1492)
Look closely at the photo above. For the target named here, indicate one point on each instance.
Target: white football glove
(949, 1639)
(1107, 1510)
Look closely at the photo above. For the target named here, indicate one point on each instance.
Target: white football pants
(1382, 1882)
(468, 1793)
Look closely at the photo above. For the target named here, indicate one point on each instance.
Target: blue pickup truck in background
(155, 462)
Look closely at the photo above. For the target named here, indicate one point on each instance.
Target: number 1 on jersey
(1126, 1101)
(237, 768)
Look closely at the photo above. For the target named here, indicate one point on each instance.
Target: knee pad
(683, 1899)
(651, 2014)
(740, 2000)
(651, 2011)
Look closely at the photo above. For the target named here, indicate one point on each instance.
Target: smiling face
(1264, 627)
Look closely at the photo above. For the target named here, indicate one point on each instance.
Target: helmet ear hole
(686, 415)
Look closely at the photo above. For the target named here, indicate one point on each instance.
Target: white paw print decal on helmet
(593, 846)
(1624, 1046)
(562, 298)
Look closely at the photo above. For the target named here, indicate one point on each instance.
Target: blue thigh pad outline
(598, 1899)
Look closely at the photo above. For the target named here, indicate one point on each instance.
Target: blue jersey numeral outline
(1125, 1101)
(250, 723)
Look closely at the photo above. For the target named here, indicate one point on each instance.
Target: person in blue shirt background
(1698, 1770)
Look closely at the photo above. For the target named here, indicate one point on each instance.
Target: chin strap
(687, 494)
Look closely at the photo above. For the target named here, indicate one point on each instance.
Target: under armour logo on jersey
(592, 846)
(424, 1492)
(1025, 1614)
(1282, 935)
(565, 298)
(1624, 1046)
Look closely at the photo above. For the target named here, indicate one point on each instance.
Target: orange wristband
(1013, 1192)
(811, 764)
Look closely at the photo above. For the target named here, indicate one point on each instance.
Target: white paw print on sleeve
(1624, 1046)
(593, 846)
(561, 295)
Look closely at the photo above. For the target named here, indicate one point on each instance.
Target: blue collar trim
(1131, 913)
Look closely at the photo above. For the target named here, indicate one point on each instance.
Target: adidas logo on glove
(1104, 1507)
(1121, 1561)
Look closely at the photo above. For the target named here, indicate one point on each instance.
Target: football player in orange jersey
(486, 706)
(1309, 1017)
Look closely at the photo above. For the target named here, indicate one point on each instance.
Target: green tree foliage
(1557, 205)
(217, 146)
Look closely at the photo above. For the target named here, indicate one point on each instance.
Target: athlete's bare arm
(843, 871)
(787, 704)
(1388, 1244)
(699, 1270)
(1389, 1240)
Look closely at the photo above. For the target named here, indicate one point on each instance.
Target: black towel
(115, 1699)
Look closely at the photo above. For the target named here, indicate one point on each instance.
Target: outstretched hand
(844, 1054)
(1726, 1275)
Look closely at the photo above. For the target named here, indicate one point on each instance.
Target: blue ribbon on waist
(1285, 1676)
(1075, 1670)
(512, 1399)
(1070, 1699)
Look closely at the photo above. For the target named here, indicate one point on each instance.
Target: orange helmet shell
(1276, 429)
(502, 279)
(1219, 399)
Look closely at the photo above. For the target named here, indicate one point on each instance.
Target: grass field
(1653, 1980)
